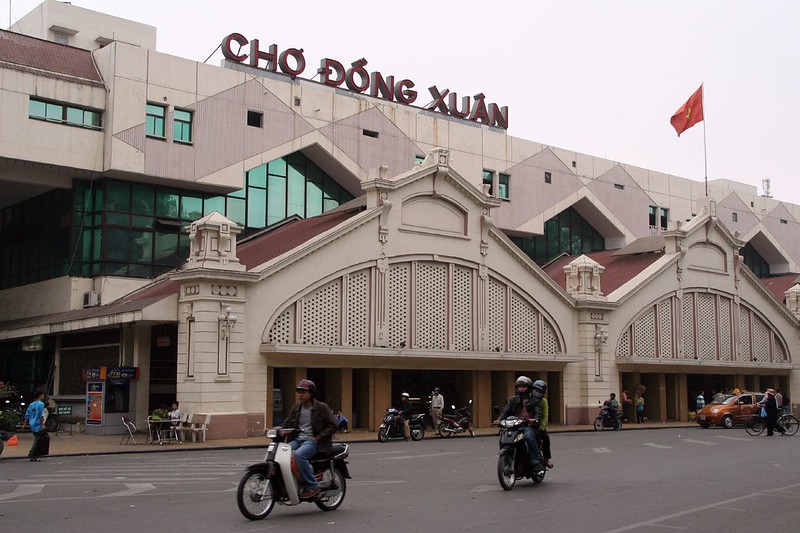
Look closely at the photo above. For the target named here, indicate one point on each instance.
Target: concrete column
(340, 391)
(380, 395)
(269, 404)
(481, 398)
(662, 396)
(141, 359)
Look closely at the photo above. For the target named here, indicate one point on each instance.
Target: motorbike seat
(334, 451)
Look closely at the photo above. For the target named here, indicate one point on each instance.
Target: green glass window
(191, 207)
(276, 199)
(37, 109)
(167, 201)
(488, 179)
(143, 199)
(215, 203)
(256, 207)
(154, 121)
(182, 126)
(755, 262)
(503, 186)
(566, 232)
(64, 114)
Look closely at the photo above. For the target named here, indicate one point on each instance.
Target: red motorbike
(459, 422)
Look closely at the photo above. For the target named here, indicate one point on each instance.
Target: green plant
(8, 420)
(8, 390)
(160, 414)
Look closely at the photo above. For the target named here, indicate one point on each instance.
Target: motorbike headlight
(520, 436)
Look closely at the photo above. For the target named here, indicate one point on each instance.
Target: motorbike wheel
(506, 474)
(382, 435)
(538, 477)
(471, 430)
(417, 432)
(598, 423)
(255, 496)
(443, 427)
(331, 499)
(52, 424)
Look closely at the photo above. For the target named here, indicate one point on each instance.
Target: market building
(172, 229)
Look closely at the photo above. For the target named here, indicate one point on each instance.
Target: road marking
(21, 491)
(601, 450)
(425, 455)
(370, 483)
(733, 438)
(659, 446)
(703, 442)
(133, 488)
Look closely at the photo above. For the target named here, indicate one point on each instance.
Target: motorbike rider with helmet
(526, 404)
(316, 425)
(405, 407)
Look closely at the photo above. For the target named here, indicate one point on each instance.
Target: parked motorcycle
(607, 420)
(514, 462)
(460, 422)
(392, 426)
(274, 480)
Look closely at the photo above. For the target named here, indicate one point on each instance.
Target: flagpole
(705, 154)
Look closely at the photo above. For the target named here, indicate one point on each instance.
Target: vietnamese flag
(690, 113)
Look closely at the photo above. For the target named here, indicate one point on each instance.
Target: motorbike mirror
(470, 400)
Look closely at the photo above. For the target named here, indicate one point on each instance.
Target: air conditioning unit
(91, 299)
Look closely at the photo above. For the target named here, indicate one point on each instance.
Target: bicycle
(757, 423)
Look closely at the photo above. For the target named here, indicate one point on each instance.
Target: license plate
(702, 417)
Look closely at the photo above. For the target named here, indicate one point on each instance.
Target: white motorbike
(276, 478)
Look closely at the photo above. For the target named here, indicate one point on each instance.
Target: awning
(156, 309)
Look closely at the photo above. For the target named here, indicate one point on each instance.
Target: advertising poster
(94, 403)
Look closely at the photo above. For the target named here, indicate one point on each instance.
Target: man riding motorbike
(316, 423)
(525, 404)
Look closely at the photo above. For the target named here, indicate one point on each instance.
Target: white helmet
(406, 395)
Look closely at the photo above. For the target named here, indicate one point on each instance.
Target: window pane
(235, 210)
(183, 116)
(166, 248)
(313, 200)
(256, 208)
(143, 197)
(91, 118)
(74, 116)
(276, 207)
(36, 109)
(167, 203)
(141, 246)
(155, 110)
(118, 196)
(277, 167)
(117, 243)
(257, 177)
(191, 208)
(216, 203)
(296, 196)
(54, 112)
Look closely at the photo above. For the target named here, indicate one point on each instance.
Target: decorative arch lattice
(705, 326)
(428, 305)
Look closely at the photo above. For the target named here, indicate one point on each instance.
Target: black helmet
(436, 390)
(306, 384)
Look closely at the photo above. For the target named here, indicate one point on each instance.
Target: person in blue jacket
(34, 416)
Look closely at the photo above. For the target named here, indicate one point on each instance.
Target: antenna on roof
(765, 188)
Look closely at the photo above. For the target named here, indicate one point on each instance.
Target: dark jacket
(323, 423)
(514, 406)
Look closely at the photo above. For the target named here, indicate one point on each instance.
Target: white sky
(598, 77)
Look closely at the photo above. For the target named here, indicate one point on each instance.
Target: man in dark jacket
(771, 405)
(317, 425)
(526, 405)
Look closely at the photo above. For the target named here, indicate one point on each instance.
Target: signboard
(123, 372)
(94, 403)
(65, 410)
(356, 78)
(33, 344)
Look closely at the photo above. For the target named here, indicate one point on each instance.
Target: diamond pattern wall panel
(496, 320)
(687, 315)
(462, 309)
(398, 304)
(550, 344)
(665, 330)
(706, 326)
(430, 310)
(358, 317)
(321, 316)
(760, 334)
(644, 334)
(523, 325)
(725, 329)
(624, 346)
(744, 334)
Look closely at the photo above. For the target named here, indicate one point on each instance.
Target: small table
(163, 430)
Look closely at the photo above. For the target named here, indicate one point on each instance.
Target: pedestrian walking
(437, 405)
(700, 402)
(34, 417)
(771, 406)
(640, 408)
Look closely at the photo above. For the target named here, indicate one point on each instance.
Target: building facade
(225, 231)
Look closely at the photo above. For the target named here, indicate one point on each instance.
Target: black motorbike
(608, 418)
(392, 426)
(514, 462)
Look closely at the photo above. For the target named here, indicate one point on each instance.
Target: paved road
(684, 479)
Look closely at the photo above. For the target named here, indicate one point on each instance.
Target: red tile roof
(619, 268)
(778, 285)
(46, 58)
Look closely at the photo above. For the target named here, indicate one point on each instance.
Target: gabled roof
(45, 58)
(619, 269)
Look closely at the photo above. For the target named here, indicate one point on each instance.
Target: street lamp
(226, 322)
(600, 338)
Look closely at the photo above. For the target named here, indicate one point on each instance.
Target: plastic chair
(131, 427)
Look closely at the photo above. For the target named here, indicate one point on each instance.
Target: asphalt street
(683, 479)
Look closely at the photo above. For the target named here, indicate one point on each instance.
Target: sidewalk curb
(483, 433)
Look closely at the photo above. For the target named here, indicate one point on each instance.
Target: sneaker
(308, 493)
